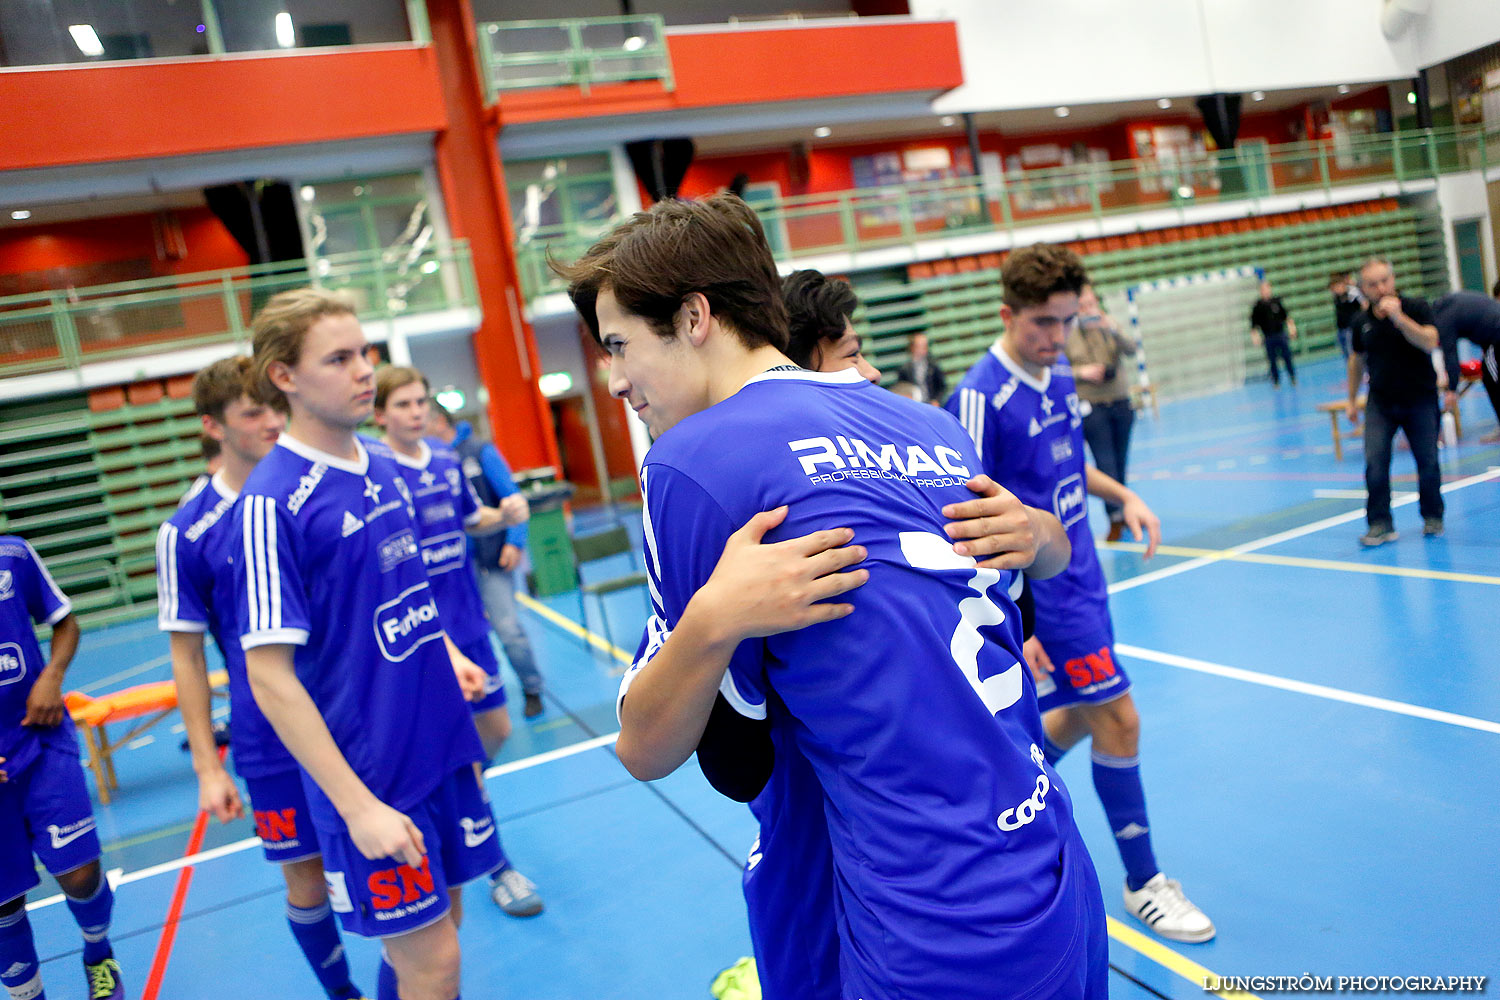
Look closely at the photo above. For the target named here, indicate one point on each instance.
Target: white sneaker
(515, 893)
(1161, 906)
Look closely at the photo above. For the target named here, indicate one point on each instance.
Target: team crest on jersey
(351, 524)
(7, 584)
(12, 664)
(396, 549)
(426, 478)
(1069, 502)
(453, 479)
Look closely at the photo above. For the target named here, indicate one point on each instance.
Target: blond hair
(393, 377)
(279, 329)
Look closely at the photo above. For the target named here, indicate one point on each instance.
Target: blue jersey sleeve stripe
(656, 636)
(62, 607)
(653, 562)
(247, 523)
(273, 575)
(166, 575)
(737, 701)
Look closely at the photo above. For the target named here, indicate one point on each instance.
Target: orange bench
(144, 704)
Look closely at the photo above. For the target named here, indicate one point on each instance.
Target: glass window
(48, 32)
(266, 25)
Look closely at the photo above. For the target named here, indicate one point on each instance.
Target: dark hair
(655, 259)
(1034, 274)
(1495, 292)
(220, 384)
(817, 309)
(393, 377)
(210, 447)
(1338, 277)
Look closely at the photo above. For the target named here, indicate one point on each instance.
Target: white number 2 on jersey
(925, 550)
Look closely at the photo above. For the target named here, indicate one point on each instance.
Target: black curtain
(261, 215)
(661, 164)
(1221, 117)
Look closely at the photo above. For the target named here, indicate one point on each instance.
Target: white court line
(1316, 690)
(1286, 536)
(139, 668)
(252, 842)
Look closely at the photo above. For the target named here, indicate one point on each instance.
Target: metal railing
(574, 52)
(64, 329)
(868, 218)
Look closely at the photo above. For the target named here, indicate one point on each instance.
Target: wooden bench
(144, 704)
(1336, 408)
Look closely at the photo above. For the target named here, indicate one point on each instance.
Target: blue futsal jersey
(331, 566)
(445, 504)
(1029, 433)
(28, 596)
(957, 863)
(195, 592)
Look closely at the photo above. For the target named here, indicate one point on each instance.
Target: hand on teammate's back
(766, 588)
(382, 832)
(996, 524)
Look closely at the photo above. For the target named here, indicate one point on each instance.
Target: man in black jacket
(1394, 338)
(1271, 326)
(1473, 317)
(924, 373)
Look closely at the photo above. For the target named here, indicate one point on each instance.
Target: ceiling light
(1164, 103)
(1062, 112)
(20, 215)
(285, 36)
(555, 384)
(947, 121)
(308, 193)
(1184, 191)
(1411, 97)
(1259, 95)
(634, 43)
(1343, 88)
(87, 39)
(822, 131)
(450, 398)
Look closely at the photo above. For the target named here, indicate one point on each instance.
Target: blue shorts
(1086, 670)
(482, 653)
(282, 821)
(45, 810)
(386, 898)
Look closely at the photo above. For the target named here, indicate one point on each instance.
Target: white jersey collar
(358, 467)
(422, 461)
(221, 488)
(1021, 374)
(848, 376)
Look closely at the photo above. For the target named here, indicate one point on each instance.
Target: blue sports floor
(1321, 740)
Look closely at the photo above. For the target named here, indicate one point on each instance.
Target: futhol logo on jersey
(442, 553)
(403, 624)
(396, 549)
(12, 664)
(852, 458)
(1069, 502)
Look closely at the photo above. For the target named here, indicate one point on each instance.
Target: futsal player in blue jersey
(44, 803)
(448, 510)
(347, 657)
(196, 596)
(959, 871)
(1019, 405)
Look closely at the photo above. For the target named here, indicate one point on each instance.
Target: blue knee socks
(92, 916)
(1117, 780)
(19, 970)
(387, 982)
(317, 934)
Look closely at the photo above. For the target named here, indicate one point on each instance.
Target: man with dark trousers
(1271, 327)
(1473, 317)
(1394, 337)
(1346, 305)
(924, 373)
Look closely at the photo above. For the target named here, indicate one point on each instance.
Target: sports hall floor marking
(1230, 555)
(1169, 959)
(1315, 690)
(1284, 536)
(569, 625)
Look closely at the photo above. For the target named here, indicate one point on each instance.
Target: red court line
(174, 911)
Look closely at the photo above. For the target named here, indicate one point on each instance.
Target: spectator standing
(1346, 305)
(922, 372)
(1394, 338)
(1097, 352)
(496, 556)
(1272, 328)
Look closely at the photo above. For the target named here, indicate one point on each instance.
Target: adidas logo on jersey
(1034, 428)
(351, 524)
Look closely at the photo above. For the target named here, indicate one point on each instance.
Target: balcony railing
(574, 52)
(869, 218)
(61, 330)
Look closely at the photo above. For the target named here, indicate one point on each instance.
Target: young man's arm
(1356, 379)
(756, 589)
(376, 829)
(1138, 517)
(44, 705)
(503, 481)
(217, 792)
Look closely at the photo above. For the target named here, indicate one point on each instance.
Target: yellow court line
(1270, 560)
(569, 625)
(1169, 959)
(1156, 952)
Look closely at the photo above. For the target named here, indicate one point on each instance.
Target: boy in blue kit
(44, 803)
(448, 510)
(347, 656)
(958, 869)
(196, 595)
(1019, 405)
